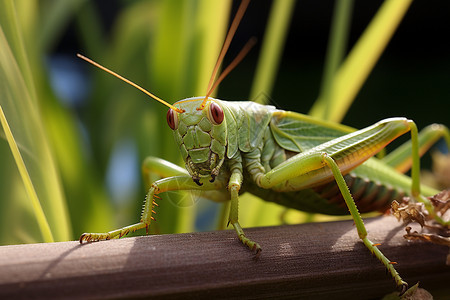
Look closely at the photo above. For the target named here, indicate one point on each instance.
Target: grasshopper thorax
(201, 136)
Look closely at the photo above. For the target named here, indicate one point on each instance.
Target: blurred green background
(83, 134)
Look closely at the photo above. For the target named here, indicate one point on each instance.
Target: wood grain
(317, 260)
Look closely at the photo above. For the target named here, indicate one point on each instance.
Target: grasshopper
(284, 157)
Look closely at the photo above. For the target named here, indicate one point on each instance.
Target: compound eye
(215, 113)
(172, 119)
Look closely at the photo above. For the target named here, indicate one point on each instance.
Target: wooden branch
(319, 260)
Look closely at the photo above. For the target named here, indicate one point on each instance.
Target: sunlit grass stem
(339, 31)
(272, 49)
(39, 213)
(361, 60)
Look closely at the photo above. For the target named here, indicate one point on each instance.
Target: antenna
(234, 25)
(249, 45)
(130, 82)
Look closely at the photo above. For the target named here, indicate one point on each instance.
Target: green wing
(297, 132)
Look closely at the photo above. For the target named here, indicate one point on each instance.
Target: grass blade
(335, 54)
(40, 215)
(19, 102)
(277, 29)
(361, 60)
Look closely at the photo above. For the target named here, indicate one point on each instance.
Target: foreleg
(175, 183)
(234, 187)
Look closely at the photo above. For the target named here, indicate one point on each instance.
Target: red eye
(172, 119)
(216, 113)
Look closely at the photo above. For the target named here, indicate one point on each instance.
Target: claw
(258, 250)
(91, 237)
(213, 177)
(403, 288)
(82, 238)
(197, 181)
(124, 233)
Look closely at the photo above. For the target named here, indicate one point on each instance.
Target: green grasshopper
(284, 157)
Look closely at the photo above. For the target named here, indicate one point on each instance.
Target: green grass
(168, 47)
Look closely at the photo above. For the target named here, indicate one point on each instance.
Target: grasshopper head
(201, 136)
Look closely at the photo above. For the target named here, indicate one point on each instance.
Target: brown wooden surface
(320, 260)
